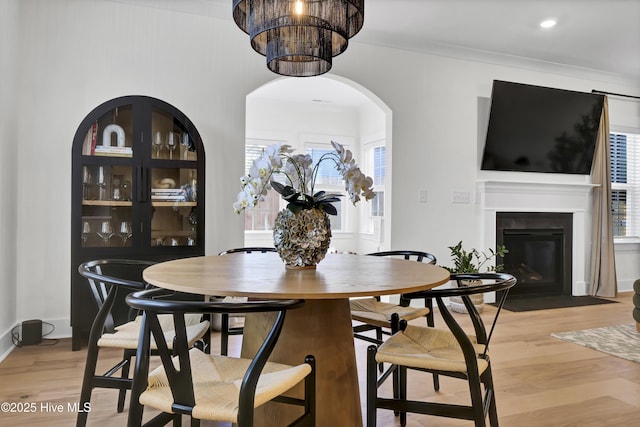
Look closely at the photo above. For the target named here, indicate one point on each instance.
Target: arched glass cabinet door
(138, 174)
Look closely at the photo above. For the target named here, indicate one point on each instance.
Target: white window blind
(625, 184)
(330, 180)
(379, 165)
(262, 216)
(328, 175)
(379, 171)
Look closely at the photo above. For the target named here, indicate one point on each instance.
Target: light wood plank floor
(540, 381)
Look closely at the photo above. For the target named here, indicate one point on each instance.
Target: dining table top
(264, 275)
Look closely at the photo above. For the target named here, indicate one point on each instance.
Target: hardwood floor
(540, 381)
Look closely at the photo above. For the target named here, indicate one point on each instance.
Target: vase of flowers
(472, 262)
(302, 231)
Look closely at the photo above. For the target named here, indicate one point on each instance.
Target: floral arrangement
(293, 176)
(472, 261)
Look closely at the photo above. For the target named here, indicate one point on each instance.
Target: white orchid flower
(242, 203)
(298, 171)
(261, 167)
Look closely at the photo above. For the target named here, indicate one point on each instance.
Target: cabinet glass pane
(111, 135)
(174, 199)
(106, 206)
(170, 139)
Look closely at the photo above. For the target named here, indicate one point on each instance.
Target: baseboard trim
(6, 344)
(625, 285)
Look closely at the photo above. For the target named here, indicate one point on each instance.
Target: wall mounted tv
(541, 129)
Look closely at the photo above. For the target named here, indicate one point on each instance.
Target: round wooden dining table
(322, 327)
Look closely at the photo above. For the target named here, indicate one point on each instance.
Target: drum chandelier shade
(299, 37)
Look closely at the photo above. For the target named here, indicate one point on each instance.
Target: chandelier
(299, 37)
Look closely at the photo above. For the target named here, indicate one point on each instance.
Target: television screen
(541, 129)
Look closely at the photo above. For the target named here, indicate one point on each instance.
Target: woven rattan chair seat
(378, 313)
(427, 348)
(216, 385)
(126, 335)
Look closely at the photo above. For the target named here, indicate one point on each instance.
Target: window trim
(632, 186)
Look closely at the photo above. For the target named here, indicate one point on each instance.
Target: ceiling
(592, 37)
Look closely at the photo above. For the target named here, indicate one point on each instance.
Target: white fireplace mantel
(526, 196)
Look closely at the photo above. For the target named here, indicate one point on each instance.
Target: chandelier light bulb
(548, 23)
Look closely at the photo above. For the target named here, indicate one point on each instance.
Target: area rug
(621, 340)
(549, 302)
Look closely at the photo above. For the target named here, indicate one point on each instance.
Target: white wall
(8, 171)
(75, 55)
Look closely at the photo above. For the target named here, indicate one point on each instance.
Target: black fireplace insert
(540, 255)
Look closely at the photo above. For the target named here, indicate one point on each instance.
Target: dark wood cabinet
(137, 191)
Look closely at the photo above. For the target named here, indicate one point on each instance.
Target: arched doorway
(307, 114)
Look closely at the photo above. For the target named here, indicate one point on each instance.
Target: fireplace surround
(555, 196)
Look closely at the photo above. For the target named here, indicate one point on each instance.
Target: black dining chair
(213, 387)
(450, 351)
(375, 315)
(225, 318)
(107, 279)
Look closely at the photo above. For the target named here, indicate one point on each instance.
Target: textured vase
(457, 304)
(302, 239)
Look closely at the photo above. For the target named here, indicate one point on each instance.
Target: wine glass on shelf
(86, 183)
(86, 231)
(102, 184)
(172, 144)
(157, 144)
(186, 144)
(106, 232)
(125, 232)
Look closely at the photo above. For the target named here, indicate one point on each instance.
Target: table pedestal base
(321, 328)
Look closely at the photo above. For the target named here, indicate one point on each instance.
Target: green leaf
(328, 208)
(295, 208)
(284, 190)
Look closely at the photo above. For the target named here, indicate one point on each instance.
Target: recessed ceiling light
(548, 23)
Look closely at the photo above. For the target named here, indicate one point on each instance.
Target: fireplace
(540, 251)
(572, 199)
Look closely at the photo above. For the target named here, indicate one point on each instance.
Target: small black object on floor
(530, 303)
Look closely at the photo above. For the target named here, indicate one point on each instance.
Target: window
(625, 184)
(379, 166)
(262, 216)
(375, 167)
(329, 180)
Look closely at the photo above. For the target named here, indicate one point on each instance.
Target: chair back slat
(467, 347)
(179, 378)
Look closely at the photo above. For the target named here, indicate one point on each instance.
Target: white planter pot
(457, 304)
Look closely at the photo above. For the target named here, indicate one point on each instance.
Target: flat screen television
(541, 129)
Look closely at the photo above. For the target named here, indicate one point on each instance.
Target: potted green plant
(473, 261)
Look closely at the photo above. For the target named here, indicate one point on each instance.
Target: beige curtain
(603, 263)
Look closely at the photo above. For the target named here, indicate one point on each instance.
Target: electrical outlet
(422, 196)
(461, 197)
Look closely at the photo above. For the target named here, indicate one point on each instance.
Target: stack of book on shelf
(114, 151)
(168, 195)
